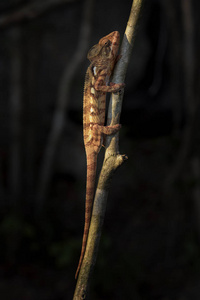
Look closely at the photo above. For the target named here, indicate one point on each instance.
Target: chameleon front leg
(107, 130)
(100, 84)
(112, 88)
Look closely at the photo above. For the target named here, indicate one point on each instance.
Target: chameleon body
(103, 57)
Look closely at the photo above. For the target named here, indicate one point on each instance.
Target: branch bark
(30, 11)
(111, 162)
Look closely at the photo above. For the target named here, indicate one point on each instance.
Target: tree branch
(111, 162)
(30, 11)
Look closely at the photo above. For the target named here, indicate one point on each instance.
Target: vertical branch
(15, 121)
(61, 106)
(111, 162)
(119, 75)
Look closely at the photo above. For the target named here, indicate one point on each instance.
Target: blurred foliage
(63, 252)
(13, 224)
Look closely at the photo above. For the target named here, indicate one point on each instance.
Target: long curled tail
(90, 187)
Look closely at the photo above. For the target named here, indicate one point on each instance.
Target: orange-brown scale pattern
(103, 57)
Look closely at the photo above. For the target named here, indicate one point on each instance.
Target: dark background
(150, 245)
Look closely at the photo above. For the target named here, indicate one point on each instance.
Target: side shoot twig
(111, 162)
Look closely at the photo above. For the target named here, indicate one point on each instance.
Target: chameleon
(103, 57)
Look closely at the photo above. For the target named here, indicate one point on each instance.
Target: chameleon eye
(107, 43)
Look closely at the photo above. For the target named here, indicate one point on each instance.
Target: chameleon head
(113, 40)
(106, 49)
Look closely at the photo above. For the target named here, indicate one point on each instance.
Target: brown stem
(111, 162)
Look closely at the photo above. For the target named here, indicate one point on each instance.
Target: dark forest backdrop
(150, 246)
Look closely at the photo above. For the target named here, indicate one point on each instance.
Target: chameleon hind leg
(103, 131)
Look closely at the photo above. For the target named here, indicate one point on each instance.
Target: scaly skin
(103, 57)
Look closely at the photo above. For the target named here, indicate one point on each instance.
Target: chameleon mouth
(114, 37)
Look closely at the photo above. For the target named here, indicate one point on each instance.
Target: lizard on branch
(103, 57)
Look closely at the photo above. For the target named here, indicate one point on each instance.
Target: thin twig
(30, 11)
(115, 103)
(62, 102)
(111, 162)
